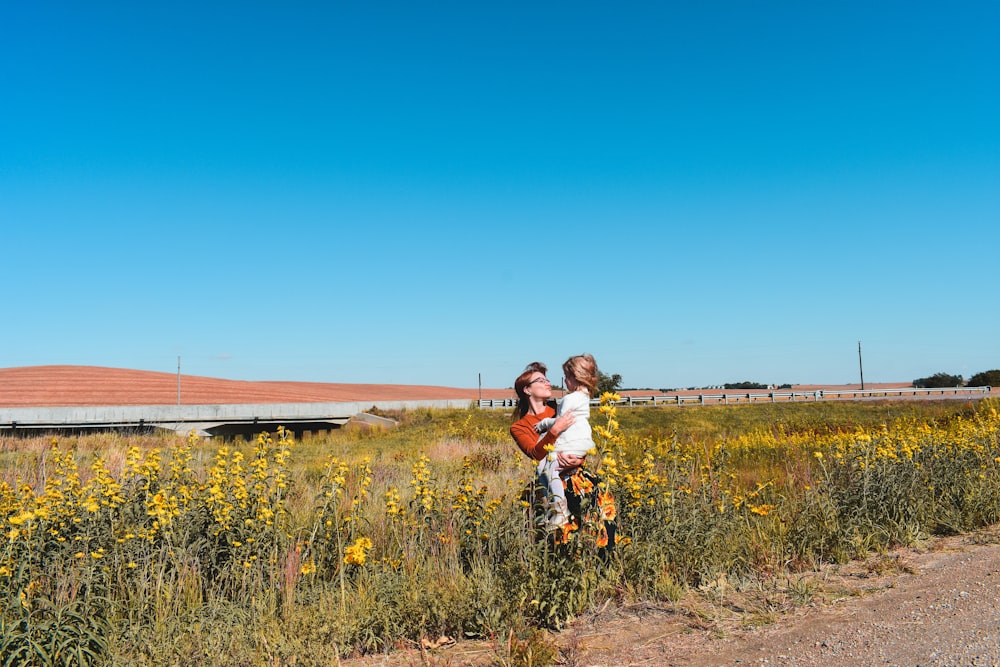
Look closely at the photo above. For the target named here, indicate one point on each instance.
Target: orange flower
(562, 535)
(606, 502)
(580, 484)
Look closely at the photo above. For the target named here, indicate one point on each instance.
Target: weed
(533, 648)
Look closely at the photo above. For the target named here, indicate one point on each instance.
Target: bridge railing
(182, 418)
(728, 398)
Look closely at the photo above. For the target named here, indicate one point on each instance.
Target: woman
(584, 497)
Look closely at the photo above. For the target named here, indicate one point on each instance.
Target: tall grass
(170, 551)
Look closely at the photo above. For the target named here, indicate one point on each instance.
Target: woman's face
(538, 387)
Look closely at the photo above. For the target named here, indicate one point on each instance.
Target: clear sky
(426, 193)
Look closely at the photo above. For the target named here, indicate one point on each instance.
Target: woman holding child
(573, 493)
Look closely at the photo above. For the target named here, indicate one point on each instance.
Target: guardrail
(727, 398)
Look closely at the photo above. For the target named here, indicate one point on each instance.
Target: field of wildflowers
(158, 550)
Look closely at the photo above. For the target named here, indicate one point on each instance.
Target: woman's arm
(526, 437)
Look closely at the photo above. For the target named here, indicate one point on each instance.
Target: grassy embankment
(165, 551)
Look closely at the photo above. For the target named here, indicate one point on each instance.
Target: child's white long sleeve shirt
(577, 439)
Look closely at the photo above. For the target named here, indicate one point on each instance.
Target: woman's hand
(562, 423)
(569, 461)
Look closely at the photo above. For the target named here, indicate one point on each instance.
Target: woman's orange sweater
(526, 437)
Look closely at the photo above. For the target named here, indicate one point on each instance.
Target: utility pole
(861, 367)
(178, 380)
(480, 386)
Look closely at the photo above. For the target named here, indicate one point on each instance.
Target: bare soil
(64, 386)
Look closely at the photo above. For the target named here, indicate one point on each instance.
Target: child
(581, 380)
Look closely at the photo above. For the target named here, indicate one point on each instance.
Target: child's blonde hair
(583, 369)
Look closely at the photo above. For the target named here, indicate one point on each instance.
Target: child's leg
(558, 512)
(556, 487)
(549, 467)
(558, 491)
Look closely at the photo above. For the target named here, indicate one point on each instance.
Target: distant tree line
(744, 385)
(938, 380)
(983, 379)
(613, 382)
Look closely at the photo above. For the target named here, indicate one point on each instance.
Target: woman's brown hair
(523, 405)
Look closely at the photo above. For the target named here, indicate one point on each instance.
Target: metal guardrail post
(773, 396)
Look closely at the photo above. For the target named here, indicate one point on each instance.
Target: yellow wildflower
(357, 553)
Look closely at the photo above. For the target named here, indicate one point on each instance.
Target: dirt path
(936, 606)
(946, 612)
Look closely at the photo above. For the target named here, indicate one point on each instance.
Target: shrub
(985, 379)
(938, 380)
(39, 632)
(744, 385)
(608, 384)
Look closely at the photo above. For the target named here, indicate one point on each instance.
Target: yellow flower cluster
(423, 488)
(758, 472)
(116, 521)
(357, 552)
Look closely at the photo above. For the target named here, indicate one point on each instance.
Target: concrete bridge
(206, 420)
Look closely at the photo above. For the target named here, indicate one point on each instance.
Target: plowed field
(52, 386)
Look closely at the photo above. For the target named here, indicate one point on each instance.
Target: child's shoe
(558, 514)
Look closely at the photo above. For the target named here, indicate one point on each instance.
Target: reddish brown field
(51, 386)
(56, 386)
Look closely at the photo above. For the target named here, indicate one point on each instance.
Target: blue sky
(429, 193)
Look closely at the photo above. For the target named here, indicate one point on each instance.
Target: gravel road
(945, 613)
